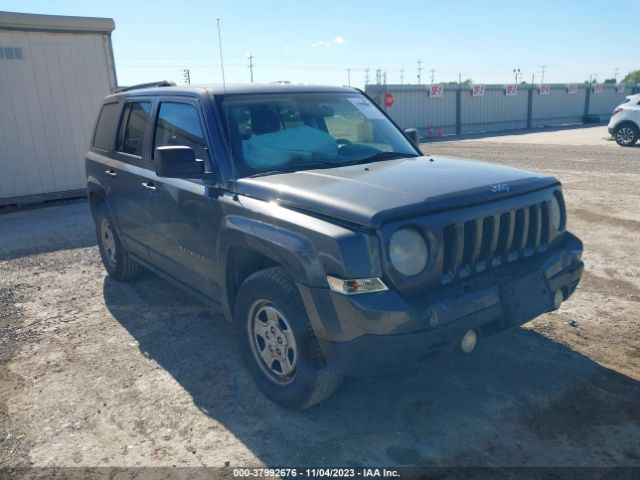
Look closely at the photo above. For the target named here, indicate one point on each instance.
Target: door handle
(111, 173)
(149, 186)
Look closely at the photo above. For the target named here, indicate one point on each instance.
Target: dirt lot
(94, 372)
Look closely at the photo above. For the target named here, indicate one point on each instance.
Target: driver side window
(179, 124)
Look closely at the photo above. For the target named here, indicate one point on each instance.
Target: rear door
(132, 190)
(181, 231)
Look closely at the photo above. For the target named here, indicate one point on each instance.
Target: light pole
(516, 72)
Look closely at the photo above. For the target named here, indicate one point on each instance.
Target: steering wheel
(343, 142)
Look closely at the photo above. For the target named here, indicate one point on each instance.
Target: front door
(183, 225)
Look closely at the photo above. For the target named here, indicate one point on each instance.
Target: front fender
(290, 249)
(310, 248)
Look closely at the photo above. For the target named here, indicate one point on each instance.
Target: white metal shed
(54, 72)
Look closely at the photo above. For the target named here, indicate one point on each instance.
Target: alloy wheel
(624, 136)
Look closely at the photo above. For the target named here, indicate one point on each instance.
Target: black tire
(626, 134)
(313, 379)
(115, 258)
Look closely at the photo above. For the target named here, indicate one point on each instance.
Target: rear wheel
(626, 135)
(115, 258)
(277, 342)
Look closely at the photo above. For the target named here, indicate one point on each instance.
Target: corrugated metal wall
(559, 107)
(48, 104)
(602, 103)
(495, 111)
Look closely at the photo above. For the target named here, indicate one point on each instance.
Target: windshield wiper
(297, 167)
(381, 156)
(320, 163)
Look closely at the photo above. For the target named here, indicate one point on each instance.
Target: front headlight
(556, 213)
(408, 251)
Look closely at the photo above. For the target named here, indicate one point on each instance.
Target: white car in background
(624, 125)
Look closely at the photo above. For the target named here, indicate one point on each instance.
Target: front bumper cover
(362, 334)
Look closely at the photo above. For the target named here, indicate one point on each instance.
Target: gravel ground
(94, 372)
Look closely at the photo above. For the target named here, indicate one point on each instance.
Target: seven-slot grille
(478, 244)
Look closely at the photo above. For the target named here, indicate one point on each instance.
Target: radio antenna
(226, 109)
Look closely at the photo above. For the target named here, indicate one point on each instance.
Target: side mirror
(412, 134)
(178, 162)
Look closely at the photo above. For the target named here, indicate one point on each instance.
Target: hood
(371, 194)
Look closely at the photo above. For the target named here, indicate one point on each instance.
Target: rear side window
(136, 118)
(105, 128)
(179, 124)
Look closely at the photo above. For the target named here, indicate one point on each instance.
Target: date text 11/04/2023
(315, 472)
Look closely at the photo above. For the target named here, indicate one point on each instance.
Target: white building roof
(55, 23)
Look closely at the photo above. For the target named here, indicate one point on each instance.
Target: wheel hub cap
(108, 242)
(273, 343)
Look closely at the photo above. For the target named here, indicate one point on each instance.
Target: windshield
(273, 133)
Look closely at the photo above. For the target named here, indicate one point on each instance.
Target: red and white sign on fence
(572, 88)
(436, 91)
(388, 99)
(620, 88)
(597, 88)
(544, 89)
(511, 90)
(478, 91)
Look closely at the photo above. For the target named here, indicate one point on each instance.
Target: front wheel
(626, 135)
(277, 342)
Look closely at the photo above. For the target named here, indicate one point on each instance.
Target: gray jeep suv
(319, 228)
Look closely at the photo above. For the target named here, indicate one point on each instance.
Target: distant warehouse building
(54, 71)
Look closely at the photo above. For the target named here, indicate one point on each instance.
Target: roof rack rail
(161, 83)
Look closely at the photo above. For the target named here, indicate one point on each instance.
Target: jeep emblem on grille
(500, 187)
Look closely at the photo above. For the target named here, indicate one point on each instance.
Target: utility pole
(186, 75)
(516, 72)
(419, 72)
(615, 74)
(348, 76)
(401, 76)
(459, 78)
(367, 75)
(542, 69)
(384, 77)
(378, 76)
(432, 75)
(250, 66)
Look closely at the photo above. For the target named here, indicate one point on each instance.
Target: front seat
(264, 120)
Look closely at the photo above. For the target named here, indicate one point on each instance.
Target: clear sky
(317, 42)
